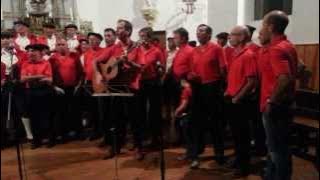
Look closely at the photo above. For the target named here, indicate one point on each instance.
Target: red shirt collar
(152, 47)
(96, 49)
(278, 38)
(239, 51)
(38, 62)
(182, 46)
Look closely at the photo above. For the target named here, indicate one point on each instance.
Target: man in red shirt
(258, 133)
(127, 50)
(23, 37)
(150, 91)
(278, 68)
(208, 74)
(110, 37)
(83, 48)
(95, 51)
(3, 74)
(67, 74)
(36, 74)
(242, 79)
(222, 40)
(3, 107)
(49, 36)
(181, 67)
(252, 46)
(12, 60)
(183, 60)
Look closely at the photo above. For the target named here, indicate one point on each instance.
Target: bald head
(62, 46)
(239, 35)
(278, 20)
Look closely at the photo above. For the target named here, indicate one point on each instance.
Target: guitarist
(150, 83)
(127, 51)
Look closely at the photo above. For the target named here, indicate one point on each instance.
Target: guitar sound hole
(109, 70)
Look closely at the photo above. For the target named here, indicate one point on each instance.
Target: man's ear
(270, 27)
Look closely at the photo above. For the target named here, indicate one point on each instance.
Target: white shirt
(6, 59)
(52, 42)
(22, 42)
(171, 56)
(82, 60)
(73, 43)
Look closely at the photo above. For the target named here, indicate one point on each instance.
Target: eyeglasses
(235, 34)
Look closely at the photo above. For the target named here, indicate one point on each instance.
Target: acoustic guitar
(111, 72)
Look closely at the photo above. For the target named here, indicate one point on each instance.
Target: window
(262, 7)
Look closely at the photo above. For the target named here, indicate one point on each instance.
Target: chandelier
(190, 6)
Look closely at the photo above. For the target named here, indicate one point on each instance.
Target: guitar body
(113, 72)
(98, 82)
(110, 70)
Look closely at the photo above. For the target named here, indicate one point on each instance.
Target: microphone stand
(160, 71)
(10, 122)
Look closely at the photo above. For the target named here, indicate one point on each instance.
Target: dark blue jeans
(277, 126)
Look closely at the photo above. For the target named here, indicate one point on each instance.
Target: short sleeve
(221, 57)
(250, 66)
(279, 61)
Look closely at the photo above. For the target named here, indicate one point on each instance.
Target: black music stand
(118, 89)
(113, 130)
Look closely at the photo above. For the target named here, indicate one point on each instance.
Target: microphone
(160, 68)
(11, 49)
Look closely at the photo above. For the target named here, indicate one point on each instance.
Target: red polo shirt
(89, 58)
(66, 69)
(228, 52)
(277, 59)
(3, 71)
(150, 57)
(182, 62)
(42, 67)
(242, 67)
(254, 47)
(208, 60)
(42, 40)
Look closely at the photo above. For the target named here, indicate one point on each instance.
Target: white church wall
(105, 13)
(222, 15)
(304, 21)
(303, 28)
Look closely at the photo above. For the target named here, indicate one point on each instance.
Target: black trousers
(239, 115)
(171, 91)
(39, 110)
(150, 98)
(207, 110)
(90, 105)
(123, 111)
(17, 111)
(67, 113)
(256, 124)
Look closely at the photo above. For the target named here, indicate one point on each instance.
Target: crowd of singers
(202, 89)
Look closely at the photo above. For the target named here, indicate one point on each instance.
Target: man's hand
(59, 91)
(194, 78)
(235, 100)
(177, 113)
